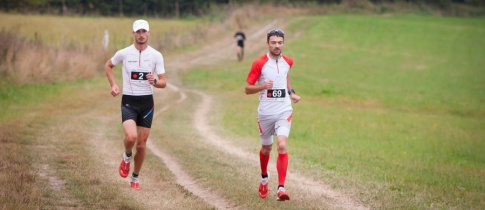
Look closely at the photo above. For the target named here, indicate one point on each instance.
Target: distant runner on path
(276, 92)
(240, 38)
(140, 65)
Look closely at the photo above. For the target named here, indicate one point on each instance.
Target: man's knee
(140, 147)
(282, 148)
(266, 149)
(131, 137)
(282, 140)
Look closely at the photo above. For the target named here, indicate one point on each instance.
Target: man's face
(275, 45)
(141, 36)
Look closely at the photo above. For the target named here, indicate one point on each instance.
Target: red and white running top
(136, 65)
(265, 68)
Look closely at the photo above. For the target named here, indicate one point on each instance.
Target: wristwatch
(291, 91)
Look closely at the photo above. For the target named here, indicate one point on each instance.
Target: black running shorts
(138, 108)
(240, 43)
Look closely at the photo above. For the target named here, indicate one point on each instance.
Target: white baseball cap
(140, 24)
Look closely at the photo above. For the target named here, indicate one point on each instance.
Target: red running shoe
(134, 183)
(263, 190)
(263, 187)
(282, 195)
(124, 168)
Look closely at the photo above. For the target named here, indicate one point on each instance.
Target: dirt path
(216, 53)
(183, 178)
(107, 153)
(305, 184)
(207, 55)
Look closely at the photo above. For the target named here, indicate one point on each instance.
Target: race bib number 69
(276, 93)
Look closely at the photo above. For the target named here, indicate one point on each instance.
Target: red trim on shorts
(289, 118)
(260, 130)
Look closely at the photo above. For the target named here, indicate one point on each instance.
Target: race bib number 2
(139, 75)
(276, 93)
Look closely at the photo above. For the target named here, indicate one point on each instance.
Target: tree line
(176, 8)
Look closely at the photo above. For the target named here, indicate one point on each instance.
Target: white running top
(136, 65)
(265, 68)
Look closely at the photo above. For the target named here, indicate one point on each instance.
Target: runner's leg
(129, 126)
(143, 134)
(242, 53)
(283, 127)
(282, 161)
(264, 155)
(266, 130)
(239, 55)
(131, 134)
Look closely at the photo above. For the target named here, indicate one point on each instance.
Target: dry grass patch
(71, 159)
(27, 62)
(20, 185)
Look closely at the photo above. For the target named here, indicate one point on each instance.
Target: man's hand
(295, 98)
(115, 90)
(150, 78)
(268, 85)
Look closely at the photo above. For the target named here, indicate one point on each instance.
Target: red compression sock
(281, 167)
(263, 160)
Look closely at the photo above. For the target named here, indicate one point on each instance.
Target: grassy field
(57, 48)
(79, 31)
(48, 163)
(392, 106)
(392, 113)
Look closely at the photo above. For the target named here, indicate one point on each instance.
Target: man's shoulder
(126, 49)
(153, 50)
(261, 60)
(288, 59)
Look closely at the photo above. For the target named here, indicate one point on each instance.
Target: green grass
(392, 112)
(392, 106)
(426, 63)
(42, 124)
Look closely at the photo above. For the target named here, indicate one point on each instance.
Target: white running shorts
(270, 125)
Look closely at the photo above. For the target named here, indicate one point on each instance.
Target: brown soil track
(210, 55)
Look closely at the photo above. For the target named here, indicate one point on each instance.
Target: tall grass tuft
(26, 62)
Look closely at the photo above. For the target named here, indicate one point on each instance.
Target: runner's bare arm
(251, 89)
(289, 86)
(108, 67)
(295, 98)
(161, 82)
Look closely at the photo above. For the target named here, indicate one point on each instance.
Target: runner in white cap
(271, 71)
(143, 69)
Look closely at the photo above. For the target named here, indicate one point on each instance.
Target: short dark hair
(275, 32)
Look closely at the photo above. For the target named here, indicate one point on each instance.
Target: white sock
(126, 158)
(133, 179)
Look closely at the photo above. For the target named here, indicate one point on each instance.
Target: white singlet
(265, 68)
(136, 65)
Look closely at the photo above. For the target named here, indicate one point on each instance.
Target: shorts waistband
(138, 98)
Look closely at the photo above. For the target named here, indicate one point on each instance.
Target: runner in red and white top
(271, 71)
(142, 68)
